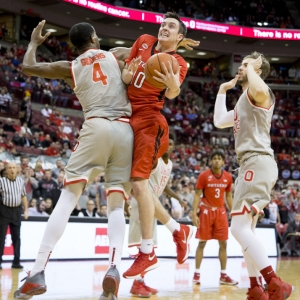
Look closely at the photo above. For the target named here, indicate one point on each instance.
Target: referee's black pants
(10, 216)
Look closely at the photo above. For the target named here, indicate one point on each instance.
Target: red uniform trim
(73, 77)
(253, 104)
(74, 181)
(117, 191)
(245, 209)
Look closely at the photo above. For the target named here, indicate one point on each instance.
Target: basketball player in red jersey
(151, 137)
(212, 222)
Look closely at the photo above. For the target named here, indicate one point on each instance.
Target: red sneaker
(181, 238)
(138, 289)
(196, 279)
(257, 293)
(149, 289)
(143, 264)
(225, 279)
(279, 290)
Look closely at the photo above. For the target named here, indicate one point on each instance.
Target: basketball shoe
(110, 284)
(225, 279)
(150, 289)
(143, 264)
(257, 293)
(32, 286)
(181, 238)
(279, 290)
(138, 289)
(196, 278)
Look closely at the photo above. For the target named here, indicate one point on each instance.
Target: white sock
(147, 246)
(223, 272)
(140, 279)
(115, 227)
(172, 225)
(56, 224)
(197, 271)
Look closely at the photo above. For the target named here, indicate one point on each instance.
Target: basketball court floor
(82, 280)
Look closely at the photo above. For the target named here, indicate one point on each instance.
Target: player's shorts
(151, 141)
(103, 146)
(135, 231)
(213, 224)
(257, 176)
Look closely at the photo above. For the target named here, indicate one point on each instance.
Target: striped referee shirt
(12, 191)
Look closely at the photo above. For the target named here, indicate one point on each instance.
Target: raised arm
(258, 91)
(121, 53)
(59, 69)
(222, 117)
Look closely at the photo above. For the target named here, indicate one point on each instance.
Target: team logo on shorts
(145, 46)
(101, 241)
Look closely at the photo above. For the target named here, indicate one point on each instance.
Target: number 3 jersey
(98, 85)
(159, 177)
(214, 187)
(141, 94)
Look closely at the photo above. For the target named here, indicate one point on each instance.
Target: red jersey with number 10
(141, 94)
(214, 187)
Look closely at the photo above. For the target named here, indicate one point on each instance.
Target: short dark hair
(80, 34)
(217, 152)
(174, 15)
(265, 66)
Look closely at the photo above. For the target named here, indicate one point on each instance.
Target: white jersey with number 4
(96, 76)
(159, 176)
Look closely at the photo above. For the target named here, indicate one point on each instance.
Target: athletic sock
(223, 273)
(268, 273)
(172, 225)
(147, 246)
(254, 282)
(197, 271)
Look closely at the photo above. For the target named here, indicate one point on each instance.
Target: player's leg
(181, 233)
(220, 233)
(198, 261)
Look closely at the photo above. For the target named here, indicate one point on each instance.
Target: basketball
(155, 63)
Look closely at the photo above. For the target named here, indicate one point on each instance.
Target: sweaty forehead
(171, 21)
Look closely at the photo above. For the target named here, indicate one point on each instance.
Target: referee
(12, 192)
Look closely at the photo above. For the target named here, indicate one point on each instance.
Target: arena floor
(82, 279)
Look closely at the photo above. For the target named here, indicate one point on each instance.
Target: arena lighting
(259, 24)
(51, 30)
(194, 24)
(119, 42)
(275, 58)
(181, 50)
(201, 53)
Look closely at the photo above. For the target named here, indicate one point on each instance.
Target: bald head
(11, 170)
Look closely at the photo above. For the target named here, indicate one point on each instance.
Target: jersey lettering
(139, 80)
(89, 60)
(98, 74)
(217, 194)
(249, 175)
(236, 126)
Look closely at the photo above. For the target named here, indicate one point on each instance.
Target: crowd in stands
(251, 13)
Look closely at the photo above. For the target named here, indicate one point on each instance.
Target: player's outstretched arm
(258, 90)
(222, 117)
(121, 53)
(188, 44)
(31, 67)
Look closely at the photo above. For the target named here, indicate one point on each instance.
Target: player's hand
(133, 65)
(188, 44)
(229, 85)
(121, 53)
(36, 36)
(184, 205)
(170, 79)
(256, 63)
(196, 221)
(25, 214)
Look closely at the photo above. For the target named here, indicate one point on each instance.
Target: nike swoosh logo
(223, 212)
(184, 240)
(151, 257)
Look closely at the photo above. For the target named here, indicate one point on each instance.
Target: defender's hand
(188, 44)
(196, 221)
(36, 36)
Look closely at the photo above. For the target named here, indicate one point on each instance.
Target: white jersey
(159, 176)
(252, 126)
(96, 76)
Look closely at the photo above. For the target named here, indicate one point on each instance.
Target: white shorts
(256, 178)
(135, 232)
(103, 146)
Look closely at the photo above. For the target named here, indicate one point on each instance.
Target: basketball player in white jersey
(158, 181)
(105, 144)
(251, 122)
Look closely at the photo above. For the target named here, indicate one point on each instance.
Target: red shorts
(213, 224)
(151, 141)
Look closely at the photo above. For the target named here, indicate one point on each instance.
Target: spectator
(274, 216)
(18, 139)
(52, 150)
(187, 196)
(49, 206)
(55, 192)
(32, 202)
(25, 112)
(31, 183)
(46, 185)
(47, 142)
(35, 128)
(5, 99)
(66, 151)
(294, 228)
(8, 126)
(39, 210)
(58, 168)
(46, 111)
(188, 217)
(103, 211)
(283, 210)
(292, 72)
(25, 129)
(90, 210)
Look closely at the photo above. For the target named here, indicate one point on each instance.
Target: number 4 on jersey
(98, 75)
